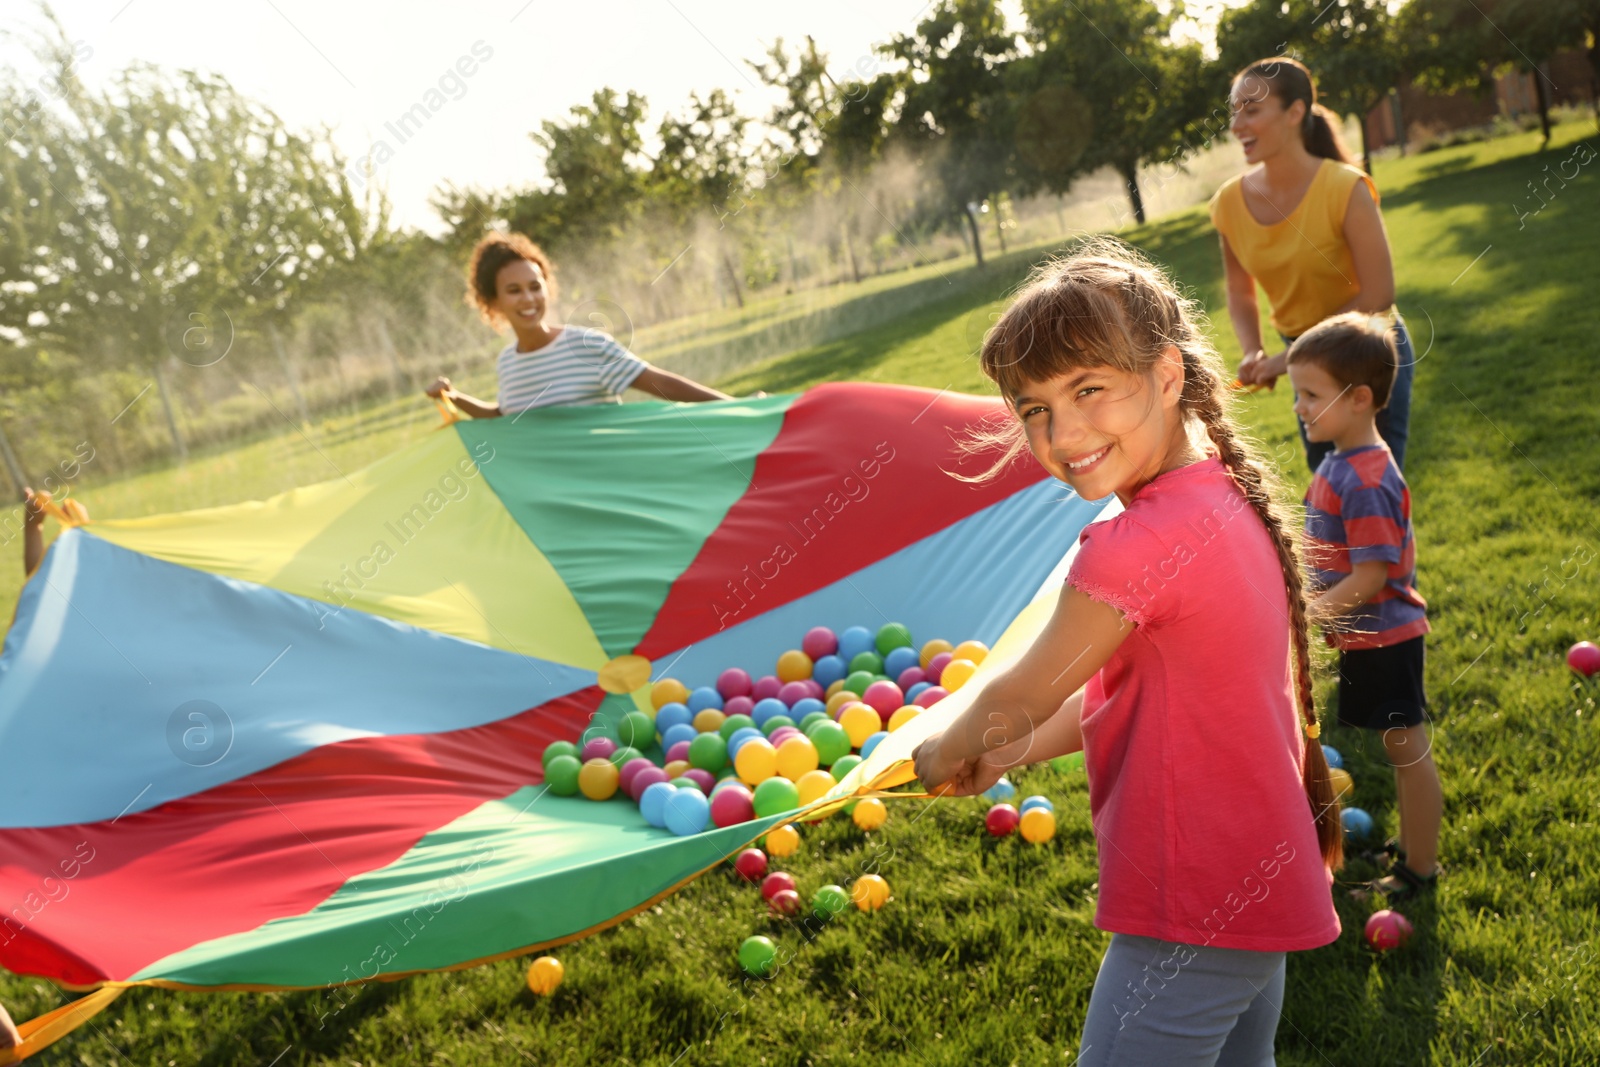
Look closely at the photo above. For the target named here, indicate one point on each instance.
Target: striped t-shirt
(581, 366)
(1358, 510)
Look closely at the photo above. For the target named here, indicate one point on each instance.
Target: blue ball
(766, 709)
(671, 715)
(856, 640)
(687, 811)
(1000, 792)
(680, 732)
(915, 691)
(737, 739)
(872, 742)
(829, 669)
(898, 659)
(805, 706)
(1331, 754)
(1036, 802)
(703, 698)
(653, 803)
(1358, 825)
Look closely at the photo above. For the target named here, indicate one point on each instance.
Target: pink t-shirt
(1192, 738)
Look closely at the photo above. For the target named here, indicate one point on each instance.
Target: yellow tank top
(1303, 262)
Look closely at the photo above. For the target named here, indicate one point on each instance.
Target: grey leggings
(1159, 1002)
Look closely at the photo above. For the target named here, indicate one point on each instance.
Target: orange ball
(933, 648)
(1038, 825)
(794, 666)
(973, 650)
(957, 673)
(834, 689)
(782, 841)
(668, 691)
(870, 892)
(756, 762)
(797, 756)
(903, 716)
(814, 784)
(676, 767)
(870, 813)
(597, 779)
(545, 975)
(709, 721)
(860, 722)
(836, 701)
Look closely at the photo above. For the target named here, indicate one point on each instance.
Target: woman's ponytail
(1320, 132)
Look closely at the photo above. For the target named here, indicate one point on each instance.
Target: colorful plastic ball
(702, 778)
(631, 770)
(976, 651)
(935, 666)
(756, 762)
(911, 676)
(1072, 761)
(843, 766)
(559, 748)
(1035, 801)
(797, 756)
(1331, 756)
(900, 660)
(807, 706)
(819, 641)
(811, 719)
(1387, 930)
(1001, 820)
(870, 892)
(857, 681)
(758, 956)
(624, 755)
(872, 742)
(709, 721)
(733, 724)
(765, 687)
(734, 682)
(766, 709)
(828, 669)
(598, 779)
(561, 775)
(738, 738)
(1000, 792)
(751, 863)
(931, 696)
(831, 740)
(545, 975)
(834, 689)
(1584, 657)
(1038, 825)
(775, 723)
(682, 731)
(737, 707)
(672, 715)
(890, 636)
(793, 692)
(1341, 781)
(1358, 825)
(774, 797)
(678, 751)
(731, 805)
(777, 881)
(917, 690)
(932, 648)
(782, 734)
(812, 785)
(653, 803)
(597, 748)
(815, 689)
(644, 780)
(786, 902)
(793, 665)
(829, 901)
(870, 662)
(859, 722)
(675, 767)
(687, 811)
(855, 640)
(683, 781)
(782, 841)
(704, 697)
(956, 674)
(883, 697)
(668, 691)
(870, 813)
(709, 752)
(902, 716)
(637, 730)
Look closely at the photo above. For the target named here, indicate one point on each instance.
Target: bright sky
(359, 67)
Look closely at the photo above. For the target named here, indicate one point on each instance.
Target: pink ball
(1584, 657)
(702, 778)
(910, 677)
(792, 692)
(679, 750)
(814, 689)
(643, 780)
(738, 706)
(598, 748)
(782, 734)
(930, 696)
(936, 667)
(765, 686)
(884, 697)
(1001, 820)
(1387, 929)
(731, 806)
(819, 641)
(734, 682)
(629, 770)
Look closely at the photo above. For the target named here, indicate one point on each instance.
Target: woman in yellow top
(1305, 225)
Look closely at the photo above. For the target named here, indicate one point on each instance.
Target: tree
(702, 167)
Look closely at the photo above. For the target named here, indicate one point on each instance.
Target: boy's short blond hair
(1354, 349)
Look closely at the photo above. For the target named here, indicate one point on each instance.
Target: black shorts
(1381, 688)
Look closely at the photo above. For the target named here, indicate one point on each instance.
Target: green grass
(988, 952)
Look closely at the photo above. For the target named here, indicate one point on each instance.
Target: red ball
(702, 778)
(792, 692)
(644, 779)
(734, 682)
(930, 696)
(910, 677)
(1387, 929)
(936, 667)
(1584, 657)
(1002, 819)
(885, 698)
(679, 750)
(786, 902)
(629, 770)
(775, 883)
(751, 863)
(819, 641)
(732, 804)
(765, 686)
(738, 706)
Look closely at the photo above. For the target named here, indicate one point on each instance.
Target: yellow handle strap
(42, 1032)
(69, 512)
(448, 411)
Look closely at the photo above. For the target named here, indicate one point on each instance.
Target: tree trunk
(850, 251)
(178, 445)
(1543, 99)
(794, 265)
(733, 278)
(1061, 218)
(1399, 120)
(1130, 176)
(1000, 224)
(289, 373)
(14, 469)
(977, 242)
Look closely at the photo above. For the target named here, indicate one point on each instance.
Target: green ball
(726, 773)
(732, 723)
(1073, 761)
(775, 722)
(829, 901)
(882, 678)
(622, 755)
(843, 765)
(831, 741)
(893, 635)
(561, 775)
(758, 955)
(858, 681)
(775, 796)
(637, 730)
(685, 783)
(709, 752)
(559, 748)
(811, 719)
(870, 662)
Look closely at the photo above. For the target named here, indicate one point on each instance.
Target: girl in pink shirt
(1177, 659)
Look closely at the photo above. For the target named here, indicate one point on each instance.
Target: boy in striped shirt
(1360, 545)
(511, 280)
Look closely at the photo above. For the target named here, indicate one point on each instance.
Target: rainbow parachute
(295, 743)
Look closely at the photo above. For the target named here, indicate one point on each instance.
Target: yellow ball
(668, 691)
(676, 767)
(545, 974)
(956, 674)
(782, 841)
(1341, 781)
(903, 716)
(597, 779)
(794, 666)
(709, 721)
(756, 762)
(870, 892)
(973, 650)
(834, 689)
(813, 784)
(1038, 825)
(860, 722)
(797, 756)
(837, 701)
(933, 648)
(870, 813)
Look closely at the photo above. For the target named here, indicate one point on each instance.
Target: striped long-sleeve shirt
(581, 366)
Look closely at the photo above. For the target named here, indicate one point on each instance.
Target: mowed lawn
(988, 951)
